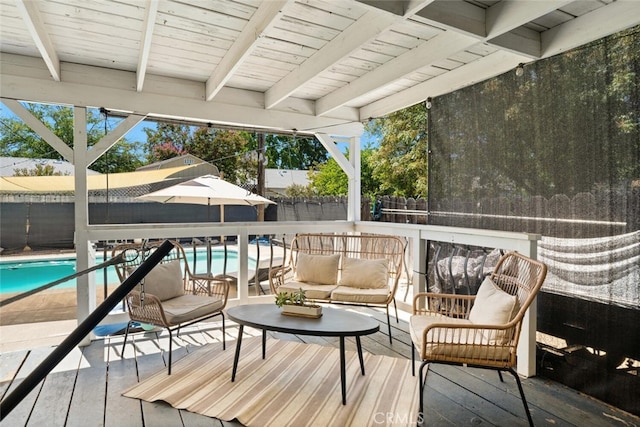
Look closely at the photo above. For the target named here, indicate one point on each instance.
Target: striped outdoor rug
(296, 385)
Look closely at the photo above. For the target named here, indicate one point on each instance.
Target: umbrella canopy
(206, 190)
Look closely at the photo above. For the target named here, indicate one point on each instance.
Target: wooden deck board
(57, 391)
(121, 374)
(20, 415)
(91, 386)
(86, 389)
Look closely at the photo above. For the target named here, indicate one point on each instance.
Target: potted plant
(296, 304)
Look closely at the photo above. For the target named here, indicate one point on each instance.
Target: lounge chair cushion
(449, 342)
(189, 307)
(493, 306)
(365, 273)
(320, 269)
(312, 290)
(360, 295)
(164, 281)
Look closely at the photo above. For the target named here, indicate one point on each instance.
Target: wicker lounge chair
(480, 330)
(171, 296)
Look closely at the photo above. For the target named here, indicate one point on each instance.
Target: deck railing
(417, 238)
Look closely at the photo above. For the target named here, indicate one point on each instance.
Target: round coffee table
(333, 323)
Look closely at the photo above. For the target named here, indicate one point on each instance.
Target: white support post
(420, 248)
(355, 181)
(86, 290)
(243, 267)
(527, 344)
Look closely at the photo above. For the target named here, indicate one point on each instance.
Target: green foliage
(297, 190)
(39, 170)
(328, 179)
(399, 166)
(291, 152)
(298, 297)
(18, 140)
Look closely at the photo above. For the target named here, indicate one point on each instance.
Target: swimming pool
(24, 275)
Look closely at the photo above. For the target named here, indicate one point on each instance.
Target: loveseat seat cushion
(359, 295)
(189, 307)
(312, 290)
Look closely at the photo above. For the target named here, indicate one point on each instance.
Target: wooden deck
(84, 389)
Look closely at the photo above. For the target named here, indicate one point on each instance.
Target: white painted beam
(505, 16)
(151, 11)
(614, 17)
(168, 97)
(328, 143)
(363, 30)
(456, 15)
(438, 48)
(476, 71)
(112, 137)
(38, 127)
(264, 18)
(32, 19)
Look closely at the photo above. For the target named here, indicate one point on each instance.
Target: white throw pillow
(492, 305)
(165, 281)
(321, 269)
(365, 273)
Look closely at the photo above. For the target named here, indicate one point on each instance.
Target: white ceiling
(310, 65)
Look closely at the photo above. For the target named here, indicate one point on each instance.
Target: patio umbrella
(207, 190)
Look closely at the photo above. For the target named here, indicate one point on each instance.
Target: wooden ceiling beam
(151, 11)
(262, 20)
(370, 25)
(35, 25)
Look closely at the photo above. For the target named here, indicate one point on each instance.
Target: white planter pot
(302, 310)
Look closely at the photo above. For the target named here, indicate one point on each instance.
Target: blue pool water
(26, 275)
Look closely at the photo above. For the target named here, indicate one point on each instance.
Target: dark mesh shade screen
(554, 151)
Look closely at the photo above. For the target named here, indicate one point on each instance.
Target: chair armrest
(277, 277)
(212, 286)
(451, 305)
(147, 311)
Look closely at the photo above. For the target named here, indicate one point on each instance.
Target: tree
(18, 140)
(39, 170)
(221, 147)
(168, 140)
(328, 179)
(400, 163)
(294, 152)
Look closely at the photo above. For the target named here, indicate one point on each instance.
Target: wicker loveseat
(343, 268)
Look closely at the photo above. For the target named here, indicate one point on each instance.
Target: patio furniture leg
(423, 383)
(343, 372)
(360, 354)
(500, 375)
(170, 348)
(237, 356)
(224, 341)
(413, 360)
(389, 326)
(264, 344)
(524, 400)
